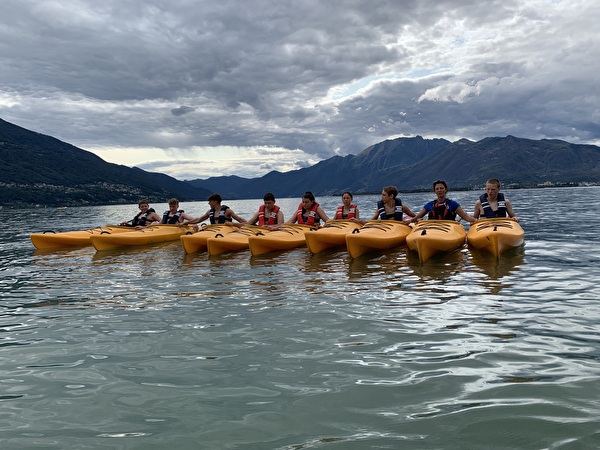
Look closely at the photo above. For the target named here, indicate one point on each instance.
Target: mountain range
(42, 170)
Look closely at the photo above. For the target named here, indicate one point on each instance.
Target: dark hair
(216, 197)
(349, 193)
(269, 196)
(143, 201)
(309, 195)
(440, 182)
(173, 201)
(391, 190)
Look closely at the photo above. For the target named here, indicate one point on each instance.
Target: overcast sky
(197, 88)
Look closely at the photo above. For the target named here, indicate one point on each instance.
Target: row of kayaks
(427, 238)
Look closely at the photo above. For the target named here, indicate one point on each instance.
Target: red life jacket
(272, 220)
(312, 215)
(340, 212)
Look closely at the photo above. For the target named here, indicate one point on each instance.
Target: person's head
(173, 204)
(143, 204)
(269, 200)
(389, 192)
(347, 198)
(214, 200)
(308, 200)
(492, 187)
(440, 188)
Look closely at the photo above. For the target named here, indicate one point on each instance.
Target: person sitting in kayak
(347, 210)
(493, 203)
(174, 215)
(390, 206)
(268, 214)
(217, 213)
(442, 208)
(145, 217)
(309, 212)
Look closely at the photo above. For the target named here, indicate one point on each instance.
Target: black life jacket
(487, 209)
(171, 219)
(141, 218)
(397, 210)
(221, 218)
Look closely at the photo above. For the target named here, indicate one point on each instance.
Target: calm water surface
(150, 348)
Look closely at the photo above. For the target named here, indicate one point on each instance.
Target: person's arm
(184, 216)
(280, 217)
(293, 219)
(322, 214)
(199, 219)
(406, 210)
(375, 214)
(510, 211)
(477, 209)
(154, 217)
(230, 213)
(417, 217)
(253, 220)
(463, 215)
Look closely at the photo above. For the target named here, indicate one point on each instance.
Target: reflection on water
(497, 268)
(151, 347)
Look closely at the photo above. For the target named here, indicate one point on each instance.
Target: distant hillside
(39, 169)
(414, 163)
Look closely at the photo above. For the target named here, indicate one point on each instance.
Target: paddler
(442, 208)
(217, 213)
(390, 206)
(145, 217)
(268, 214)
(493, 203)
(309, 212)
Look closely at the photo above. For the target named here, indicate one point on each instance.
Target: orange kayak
(376, 235)
(285, 238)
(435, 236)
(495, 235)
(51, 239)
(197, 241)
(333, 234)
(234, 241)
(149, 235)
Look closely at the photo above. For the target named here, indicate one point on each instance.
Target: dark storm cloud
(321, 77)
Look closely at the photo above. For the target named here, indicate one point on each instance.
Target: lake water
(150, 348)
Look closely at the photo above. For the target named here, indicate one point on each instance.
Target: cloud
(182, 110)
(167, 85)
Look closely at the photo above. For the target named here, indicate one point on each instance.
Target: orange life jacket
(272, 220)
(340, 212)
(312, 215)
